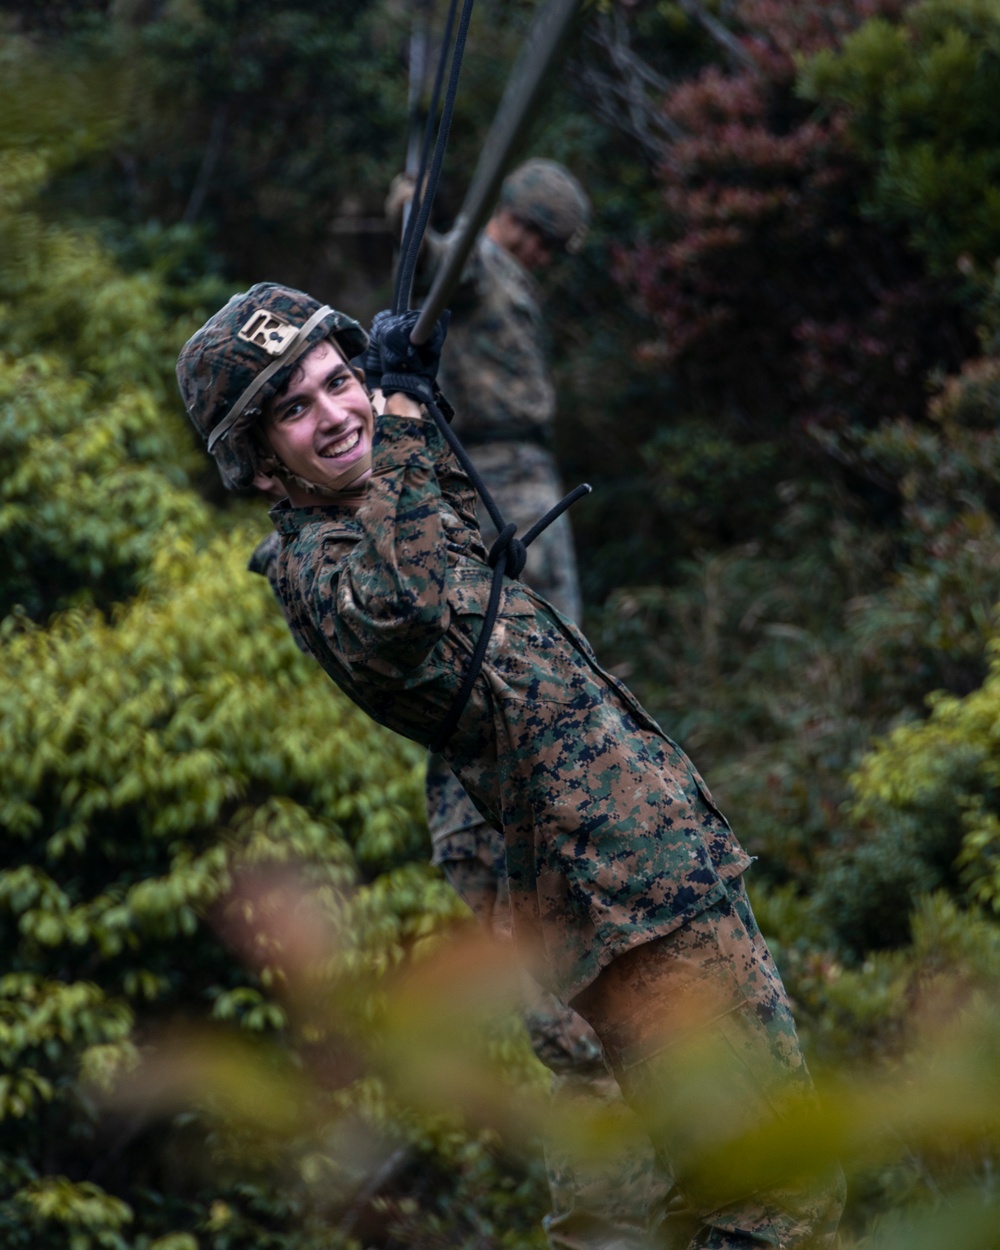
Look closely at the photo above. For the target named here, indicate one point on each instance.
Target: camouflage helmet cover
(546, 195)
(243, 355)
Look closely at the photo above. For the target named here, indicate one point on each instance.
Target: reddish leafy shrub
(777, 298)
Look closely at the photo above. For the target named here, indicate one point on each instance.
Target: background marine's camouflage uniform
(625, 880)
(495, 345)
(495, 374)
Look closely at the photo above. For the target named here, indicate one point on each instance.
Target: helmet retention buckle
(268, 330)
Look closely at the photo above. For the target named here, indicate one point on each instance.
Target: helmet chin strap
(357, 469)
(340, 485)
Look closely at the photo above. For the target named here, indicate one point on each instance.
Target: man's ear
(270, 485)
(265, 479)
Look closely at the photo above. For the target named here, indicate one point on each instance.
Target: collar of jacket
(289, 520)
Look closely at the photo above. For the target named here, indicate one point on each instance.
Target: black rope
(400, 303)
(411, 250)
(507, 558)
(409, 265)
(508, 554)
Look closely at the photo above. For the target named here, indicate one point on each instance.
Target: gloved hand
(405, 366)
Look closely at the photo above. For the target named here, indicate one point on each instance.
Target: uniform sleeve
(468, 288)
(383, 604)
(456, 488)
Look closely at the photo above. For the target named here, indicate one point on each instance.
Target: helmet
(242, 356)
(544, 194)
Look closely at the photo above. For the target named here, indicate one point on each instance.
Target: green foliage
(84, 505)
(930, 623)
(54, 103)
(944, 770)
(96, 466)
(258, 125)
(928, 626)
(920, 97)
(178, 779)
(60, 286)
(82, 1212)
(482, 1209)
(144, 759)
(888, 1021)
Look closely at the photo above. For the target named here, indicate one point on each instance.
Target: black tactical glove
(405, 366)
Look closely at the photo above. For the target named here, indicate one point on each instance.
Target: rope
(419, 219)
(399, 301)
(507, 557)
(508, 554)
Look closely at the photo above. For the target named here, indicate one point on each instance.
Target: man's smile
(341, 446)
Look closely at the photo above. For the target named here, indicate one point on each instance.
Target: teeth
(345, 444)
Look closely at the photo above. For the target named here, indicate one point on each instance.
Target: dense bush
(919, 96)
(775, 298)
(145, 759)
(939, 776)
(96, 465)
(84, 504)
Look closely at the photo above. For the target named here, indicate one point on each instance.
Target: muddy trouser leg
(608, 1200)
(698, 1029)
(596, 1205)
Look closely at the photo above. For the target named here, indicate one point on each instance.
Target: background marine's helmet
(544, 194)
(242, 356)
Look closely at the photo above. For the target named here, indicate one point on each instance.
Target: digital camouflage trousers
(698, 1029)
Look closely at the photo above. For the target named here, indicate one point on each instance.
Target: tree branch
(629, 98)
(724, 37)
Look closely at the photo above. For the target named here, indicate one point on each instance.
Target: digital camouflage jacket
(611, 836)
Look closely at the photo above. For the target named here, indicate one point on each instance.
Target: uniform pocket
(530, 660)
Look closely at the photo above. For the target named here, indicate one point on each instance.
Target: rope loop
(507, 557)
(510, 549)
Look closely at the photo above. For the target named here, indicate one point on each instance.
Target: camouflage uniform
(625, 890)
(624, 878)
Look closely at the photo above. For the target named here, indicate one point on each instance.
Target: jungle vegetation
(778, 361)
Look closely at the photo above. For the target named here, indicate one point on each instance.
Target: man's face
(532, 248)
(524, 242)
(321, 423)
